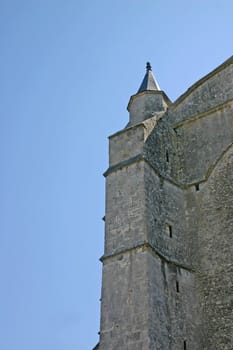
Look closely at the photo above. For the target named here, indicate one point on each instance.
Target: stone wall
(215, 270)
(124, 306)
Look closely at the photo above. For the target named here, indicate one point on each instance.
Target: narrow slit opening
(197, 187)
(167, 156)
(170, 231)
(177, 287)
(185, 345)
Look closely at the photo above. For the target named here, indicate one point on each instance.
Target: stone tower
(168, 256)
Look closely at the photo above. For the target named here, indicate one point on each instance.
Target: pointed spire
(148, 101)
(149, 82)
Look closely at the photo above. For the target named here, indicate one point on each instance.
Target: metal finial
(148, 66)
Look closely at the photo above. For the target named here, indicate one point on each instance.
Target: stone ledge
(145, 245)
(120, 165)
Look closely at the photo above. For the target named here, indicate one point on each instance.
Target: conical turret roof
(149, 82)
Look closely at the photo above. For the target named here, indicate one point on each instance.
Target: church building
(167, 279)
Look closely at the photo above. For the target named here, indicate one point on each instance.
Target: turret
(148, 101)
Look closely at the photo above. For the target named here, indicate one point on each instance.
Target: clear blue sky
(67, 70)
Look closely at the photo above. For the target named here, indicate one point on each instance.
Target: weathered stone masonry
(168, 256)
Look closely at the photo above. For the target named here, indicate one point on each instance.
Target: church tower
(167, 264)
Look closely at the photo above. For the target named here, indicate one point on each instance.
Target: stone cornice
(202, 81)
